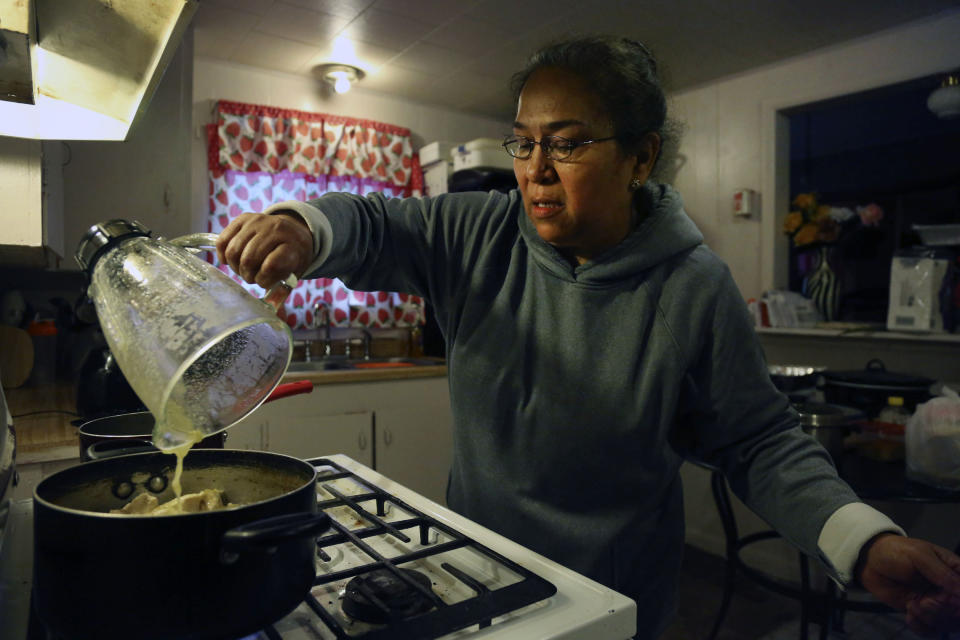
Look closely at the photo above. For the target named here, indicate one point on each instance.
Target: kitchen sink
(336, 363)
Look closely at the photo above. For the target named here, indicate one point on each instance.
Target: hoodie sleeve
(412, 245)
(735, 419)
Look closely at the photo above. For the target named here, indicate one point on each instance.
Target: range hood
(83, 69)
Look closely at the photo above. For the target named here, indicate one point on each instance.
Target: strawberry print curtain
(260, 155)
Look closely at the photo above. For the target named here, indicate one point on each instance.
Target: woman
(593, 342)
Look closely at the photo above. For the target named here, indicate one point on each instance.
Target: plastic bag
(933, 442)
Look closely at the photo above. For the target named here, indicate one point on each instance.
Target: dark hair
(623, 75)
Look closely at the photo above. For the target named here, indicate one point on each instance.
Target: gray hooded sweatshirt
(577, 391)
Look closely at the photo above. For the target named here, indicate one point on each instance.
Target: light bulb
(342, 84)
(945, 101)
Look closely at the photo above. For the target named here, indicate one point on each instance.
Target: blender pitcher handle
(196, 242)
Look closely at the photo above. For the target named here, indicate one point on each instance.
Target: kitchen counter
(42, 414)
(340, 376)
(41, 417)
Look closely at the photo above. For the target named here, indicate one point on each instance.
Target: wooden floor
(756, 613)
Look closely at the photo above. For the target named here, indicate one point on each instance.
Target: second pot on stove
(214, 574)
(110, 436)
(124, 433)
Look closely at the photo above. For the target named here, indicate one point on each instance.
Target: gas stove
(396, 565)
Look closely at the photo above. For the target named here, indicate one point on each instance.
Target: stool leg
(728, 583)
(805, 595)
(827, 621)
(722, 500)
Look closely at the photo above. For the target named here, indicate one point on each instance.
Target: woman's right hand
(265, 249)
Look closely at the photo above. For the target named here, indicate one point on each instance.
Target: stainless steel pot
(215, 574)
(830, 424)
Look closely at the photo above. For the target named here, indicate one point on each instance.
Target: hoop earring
(635, 184)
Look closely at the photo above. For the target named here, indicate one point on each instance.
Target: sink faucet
(367, 339)
(318, 307)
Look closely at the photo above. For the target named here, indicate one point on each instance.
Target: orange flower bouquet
(813, 223)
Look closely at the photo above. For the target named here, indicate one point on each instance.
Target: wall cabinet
(401, 428)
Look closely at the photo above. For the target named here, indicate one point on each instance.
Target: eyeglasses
(554, 147)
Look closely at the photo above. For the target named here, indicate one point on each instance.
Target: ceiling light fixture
(340, 76)
(945, 99)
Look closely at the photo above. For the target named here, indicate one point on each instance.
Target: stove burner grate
(384, 595)
(436, 618)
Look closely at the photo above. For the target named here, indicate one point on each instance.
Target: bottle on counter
(884, 436)
(894, 413)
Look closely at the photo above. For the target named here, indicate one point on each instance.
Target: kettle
(101, 388)
(199, 351)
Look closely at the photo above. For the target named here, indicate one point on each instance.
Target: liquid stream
(178, 422)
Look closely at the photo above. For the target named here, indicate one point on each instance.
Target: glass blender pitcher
(198, 349)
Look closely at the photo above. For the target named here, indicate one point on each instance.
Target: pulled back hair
(623, 76)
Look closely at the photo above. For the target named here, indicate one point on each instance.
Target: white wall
(218, 80)
(729, 141)
(147, 176)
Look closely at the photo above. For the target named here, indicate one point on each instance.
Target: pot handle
(290, 389)
(265, 535)
(111, 449)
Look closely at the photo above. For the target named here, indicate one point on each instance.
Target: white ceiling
(460, 53)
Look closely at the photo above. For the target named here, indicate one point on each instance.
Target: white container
(435, 152)
(481, 143)
(482, 153)
(436, 177)
(914, 293)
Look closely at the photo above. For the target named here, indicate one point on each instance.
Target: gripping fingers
(265, 249)
(279, 263)
(932, 613)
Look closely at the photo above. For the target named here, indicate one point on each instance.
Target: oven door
(8, 459)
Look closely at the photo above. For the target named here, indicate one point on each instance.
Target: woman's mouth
(545, 208)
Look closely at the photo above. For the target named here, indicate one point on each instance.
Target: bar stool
(824, 608)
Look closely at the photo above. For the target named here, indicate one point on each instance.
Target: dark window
(882, 146)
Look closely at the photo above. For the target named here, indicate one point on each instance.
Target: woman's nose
(539, 166)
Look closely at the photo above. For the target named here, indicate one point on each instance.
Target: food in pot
(146, 504)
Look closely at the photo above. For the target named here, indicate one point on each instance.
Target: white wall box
(435, 152)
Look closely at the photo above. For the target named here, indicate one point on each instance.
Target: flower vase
(823, 287)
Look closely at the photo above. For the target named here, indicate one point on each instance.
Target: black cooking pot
(215, 574)
(870, 388)
(127, 433)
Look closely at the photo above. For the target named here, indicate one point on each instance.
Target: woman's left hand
(914, 576)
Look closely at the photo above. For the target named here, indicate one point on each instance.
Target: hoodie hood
(665, 231)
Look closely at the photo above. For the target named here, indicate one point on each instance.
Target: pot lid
(819, 414)
(875, 374)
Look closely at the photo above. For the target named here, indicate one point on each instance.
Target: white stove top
(579, 609)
